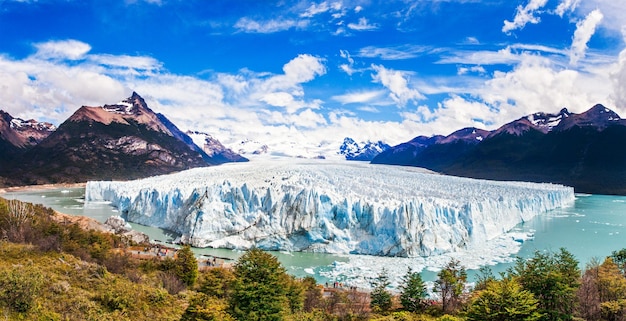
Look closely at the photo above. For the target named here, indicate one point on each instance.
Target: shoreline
(43, 187)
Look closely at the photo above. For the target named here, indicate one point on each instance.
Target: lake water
(594, 226)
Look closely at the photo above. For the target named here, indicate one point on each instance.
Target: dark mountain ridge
(120, 141)
(586, 151)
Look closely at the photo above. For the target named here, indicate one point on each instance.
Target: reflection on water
(594, 226)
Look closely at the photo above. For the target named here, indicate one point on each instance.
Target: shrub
(19, 287)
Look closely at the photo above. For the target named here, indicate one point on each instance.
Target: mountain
(214, 149)
(121, 141)
(18, 135)
(365, 151)
(432, 152)
(586, 151)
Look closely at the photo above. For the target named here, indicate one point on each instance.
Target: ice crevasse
(332, 207)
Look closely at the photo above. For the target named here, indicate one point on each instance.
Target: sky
(309, 73)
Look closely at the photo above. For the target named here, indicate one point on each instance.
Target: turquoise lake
(593, 226)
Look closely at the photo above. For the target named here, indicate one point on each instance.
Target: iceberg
(329, 206)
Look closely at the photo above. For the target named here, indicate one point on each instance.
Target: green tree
(186, 265)
(619, 258)
(380, 297)
(260, 289)
(294, 293)
(206, 308)
(450, 284)
(484, 277)
(413, 291)
(504, 300)
(611, 291)
(217, 282)
(554, 279)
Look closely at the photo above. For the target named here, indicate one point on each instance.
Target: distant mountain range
(126, 140)
(365, 151)
(586, 151)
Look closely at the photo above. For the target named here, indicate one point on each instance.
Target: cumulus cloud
(524, 15)
(584, 30)
(63, 49)
(304, 68)
(397, 84)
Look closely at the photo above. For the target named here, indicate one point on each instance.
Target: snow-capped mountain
(125, 140)
(586, 150)
(213, 148)
(23, 133)
(325, 206)
(365, 151)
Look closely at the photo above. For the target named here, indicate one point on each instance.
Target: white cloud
(618, 78)
(393, 53)
(502, 56)
(524, 15)
(565, 6)
(471, 41)
(64, 49)
(369, 109)
(125, 61)
(584, 30)
(270, 26)
(397, 84)
(359, 97)
(363, 25)
(304, 68)
(474, 69)
(316, 9)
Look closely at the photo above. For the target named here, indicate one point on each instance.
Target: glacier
(329, 206)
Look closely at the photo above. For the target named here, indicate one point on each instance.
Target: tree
(504, 300)
(380, 297)
(588, 294)
(260, 289)
(484, 277)
(619, 258)
(206, 308)
(413, 292)
(554, 279)
(450, 285)
(217, 282)
(312, 294)
(186, 265)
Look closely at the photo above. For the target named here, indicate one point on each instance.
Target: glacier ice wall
(333, 207)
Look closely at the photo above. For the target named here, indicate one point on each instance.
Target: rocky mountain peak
(364, 151)
(598, 116)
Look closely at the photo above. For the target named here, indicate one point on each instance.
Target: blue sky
(294, 72)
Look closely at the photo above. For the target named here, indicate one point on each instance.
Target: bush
(19, 288)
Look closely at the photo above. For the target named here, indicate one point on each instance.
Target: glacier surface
(329, 206)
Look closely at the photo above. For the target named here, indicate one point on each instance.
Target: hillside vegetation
(55, 271)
